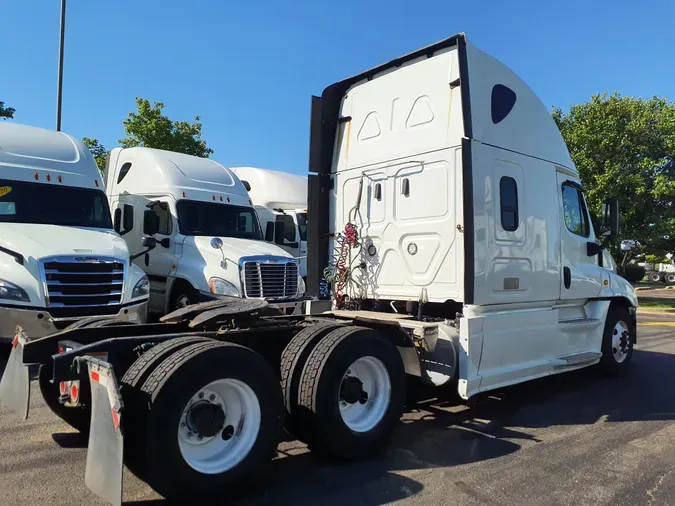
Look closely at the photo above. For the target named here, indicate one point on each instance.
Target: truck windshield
(218, 220)
(53, 204)
(302, 225)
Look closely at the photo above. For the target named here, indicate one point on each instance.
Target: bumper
(38, 323)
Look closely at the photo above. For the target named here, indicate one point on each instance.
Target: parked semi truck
(209, 239)
(280, 196)
(450, 223)
(60, 259)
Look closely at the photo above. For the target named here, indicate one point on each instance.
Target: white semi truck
(210, 242)
(280, 196)
(448, 220)
(60, 259)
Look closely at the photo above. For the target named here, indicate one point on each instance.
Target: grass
(655, 303)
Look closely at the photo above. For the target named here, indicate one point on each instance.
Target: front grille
(83, 284)
(263, 280)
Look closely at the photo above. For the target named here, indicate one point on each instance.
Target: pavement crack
(659, 482)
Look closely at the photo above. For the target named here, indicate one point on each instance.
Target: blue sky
(249, 68)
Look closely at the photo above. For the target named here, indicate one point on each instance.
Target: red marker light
(36, 176)
(49, 178)
(74, 394)
(63, 387)
(94, 376)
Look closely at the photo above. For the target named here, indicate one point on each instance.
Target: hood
(234, 248)
(621, 287)
(40, 241)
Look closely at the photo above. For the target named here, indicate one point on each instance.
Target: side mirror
(593, 248)
(269, 231)
(246, 185)
(150, 222)
(610, 217)
(117, 220)
(127, 218)
(628, 245)
(148, 242)
(279, 232)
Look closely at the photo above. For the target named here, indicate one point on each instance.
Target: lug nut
(182, 425)
(201, 395)
(189, 434)
(213, 397)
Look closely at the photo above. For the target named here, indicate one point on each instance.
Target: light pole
(59, 88)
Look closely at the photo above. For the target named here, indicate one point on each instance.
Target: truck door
(580, 276)
(161, 259)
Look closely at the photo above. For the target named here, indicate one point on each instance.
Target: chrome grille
(270, 279)
(72, 282)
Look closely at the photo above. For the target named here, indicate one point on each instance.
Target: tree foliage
(98, 151)
(6, 112)
(149, 127)
(624, 147)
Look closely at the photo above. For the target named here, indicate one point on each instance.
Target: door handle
(567, 277)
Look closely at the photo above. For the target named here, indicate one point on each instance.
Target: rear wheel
(617, 342)
(670, 278)
(135, 410)
(654, 277)
(214, 418)
(293, 361)
(352, 393)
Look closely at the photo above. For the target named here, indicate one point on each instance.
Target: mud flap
(15, 382)
(103, 474)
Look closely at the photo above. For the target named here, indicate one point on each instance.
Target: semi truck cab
(280, 196)
(60, 258)
(209, 241)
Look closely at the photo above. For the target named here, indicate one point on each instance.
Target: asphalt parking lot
(575, 438)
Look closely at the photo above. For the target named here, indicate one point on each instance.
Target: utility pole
(59, 89)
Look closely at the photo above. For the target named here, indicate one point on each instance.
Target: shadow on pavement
(438, 431)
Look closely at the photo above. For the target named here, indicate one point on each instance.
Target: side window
(508, 200)
(164, 214)
(124, 170)
(574, 208)
(289, 227)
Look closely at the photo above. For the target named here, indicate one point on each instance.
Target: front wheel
(617, 342)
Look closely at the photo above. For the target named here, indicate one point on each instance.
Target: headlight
(142, 288)
(301, 286)
(9, 291)
(221, 287)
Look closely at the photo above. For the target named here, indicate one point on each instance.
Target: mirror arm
(134, 257)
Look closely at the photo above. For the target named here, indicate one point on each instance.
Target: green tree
(624, 147)
(149, 127)
(6, 112)
(98, 151)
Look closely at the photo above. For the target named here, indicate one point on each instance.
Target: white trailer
(280, 196)
(210, 243)
(450, 225)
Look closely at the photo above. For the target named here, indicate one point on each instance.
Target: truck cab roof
(274, 189)
(33, 154)
(148, 171)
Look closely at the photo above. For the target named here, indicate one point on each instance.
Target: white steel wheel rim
(182, 301)
(621, 341)
(364, 416)
(214, 455)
